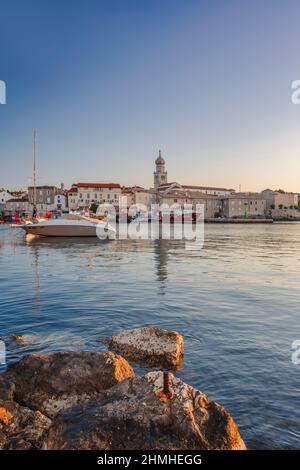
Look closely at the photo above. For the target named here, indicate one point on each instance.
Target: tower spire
(160, 174)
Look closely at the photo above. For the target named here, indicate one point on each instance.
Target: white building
(60, 201)
(83, 195)
(5, 196)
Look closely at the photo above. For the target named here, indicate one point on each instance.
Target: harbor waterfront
(236, 302)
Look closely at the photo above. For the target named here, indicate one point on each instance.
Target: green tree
(93, 207)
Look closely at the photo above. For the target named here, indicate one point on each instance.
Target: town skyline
(217, 202)
(94, 179)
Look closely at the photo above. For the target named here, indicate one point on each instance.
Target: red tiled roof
(206, 187)
(97, 185)
(187, 186)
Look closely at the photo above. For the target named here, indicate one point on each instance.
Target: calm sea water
(237, 303)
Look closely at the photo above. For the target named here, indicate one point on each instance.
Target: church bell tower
(160, 175)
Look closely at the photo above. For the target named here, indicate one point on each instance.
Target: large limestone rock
(50, 382)
(137, 414)
(20, 427)
(153, 345)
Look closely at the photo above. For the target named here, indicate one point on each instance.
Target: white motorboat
(79, 226)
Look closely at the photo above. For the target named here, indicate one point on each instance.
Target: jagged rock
(50, 382)
(20, 427)
(135, 414)
(153, 345)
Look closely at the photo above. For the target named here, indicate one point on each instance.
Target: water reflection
(37, 279)
(236, 302)
(161, 249)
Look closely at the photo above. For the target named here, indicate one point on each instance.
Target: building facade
(279, 199)
(83, 195)
(45, 197)
(212, 204)
(285, 200)
(137, 195)
(242, 205)
(18, 206)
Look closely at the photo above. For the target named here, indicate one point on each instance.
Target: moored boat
(63, 227)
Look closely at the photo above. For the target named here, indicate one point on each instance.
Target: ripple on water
(236, 302)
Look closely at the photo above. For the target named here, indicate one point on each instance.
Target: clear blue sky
(109, 82)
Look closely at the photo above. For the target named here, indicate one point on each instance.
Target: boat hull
(68, 230)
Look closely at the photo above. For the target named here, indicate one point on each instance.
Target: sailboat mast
(34, 169)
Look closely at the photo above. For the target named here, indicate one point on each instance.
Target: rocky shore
(94, 401)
